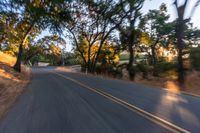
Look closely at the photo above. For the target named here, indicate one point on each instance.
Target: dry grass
(192, 83)
(12, 83)
(7, 59)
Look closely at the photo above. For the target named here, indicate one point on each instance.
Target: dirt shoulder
(12, 83)
(192, 84)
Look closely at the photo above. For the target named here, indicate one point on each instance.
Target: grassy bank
(12, 83)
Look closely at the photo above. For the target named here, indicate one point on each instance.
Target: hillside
(11, 83)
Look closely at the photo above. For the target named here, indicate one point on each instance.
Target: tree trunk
(181, 72)
(1, 40)
(17, 66)
(154, 59)
(97, 56)
(131, 56)
(76, 43)
(180, 30)
(130, 67)
(153, 54)
(180, 44)
(89, 61)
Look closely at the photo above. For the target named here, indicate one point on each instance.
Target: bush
(122, 66)
(117, 72)
(163, 66)
(83, 68)
(132, 72)
(144, 69)
(109, 69)
(195, 58)
(98, 69)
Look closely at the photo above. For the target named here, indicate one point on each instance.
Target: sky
(155, 4)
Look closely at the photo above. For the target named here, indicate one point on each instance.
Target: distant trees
(46, 46)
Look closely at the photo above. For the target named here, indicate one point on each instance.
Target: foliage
(99, 31)
(129, 34)
(110, 70)
(163, 66)
(35, 15)
(109, 53)
(47, 47)
(195, 58)
(71, 59)
(132, 72)
(144, 69)
(180, 35)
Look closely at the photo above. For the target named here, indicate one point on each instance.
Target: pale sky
(154, 4)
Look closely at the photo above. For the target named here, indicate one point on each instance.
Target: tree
(37, 14)
(47, 45)
(8, 32)
(159, 31)
(96, 26)
(180, 34)
(128, 30)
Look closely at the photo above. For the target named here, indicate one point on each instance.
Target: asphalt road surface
(64, 102)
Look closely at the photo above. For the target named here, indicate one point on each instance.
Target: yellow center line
(170, 126)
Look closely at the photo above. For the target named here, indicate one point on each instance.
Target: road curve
(54, 104)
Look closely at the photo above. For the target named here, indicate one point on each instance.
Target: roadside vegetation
(12, 83)
(112, 38)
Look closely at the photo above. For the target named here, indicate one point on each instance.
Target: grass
(7, 59)
(169, 82)
(12, 83)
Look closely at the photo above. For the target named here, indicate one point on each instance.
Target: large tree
(93, 23)
(37, 14)
(129, 32)
(180, 35)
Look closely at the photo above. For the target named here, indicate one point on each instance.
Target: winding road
(67, 102)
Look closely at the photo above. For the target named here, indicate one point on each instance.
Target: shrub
(117, 72)
(163, 66)
(132, 72)
(83, 68)
(122, 66)
(98, 69)
(110, 68)
(195, 58)
(144, 69)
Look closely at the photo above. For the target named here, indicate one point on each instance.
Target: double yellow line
(169, 126)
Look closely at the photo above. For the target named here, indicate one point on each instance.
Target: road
(63, 102)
